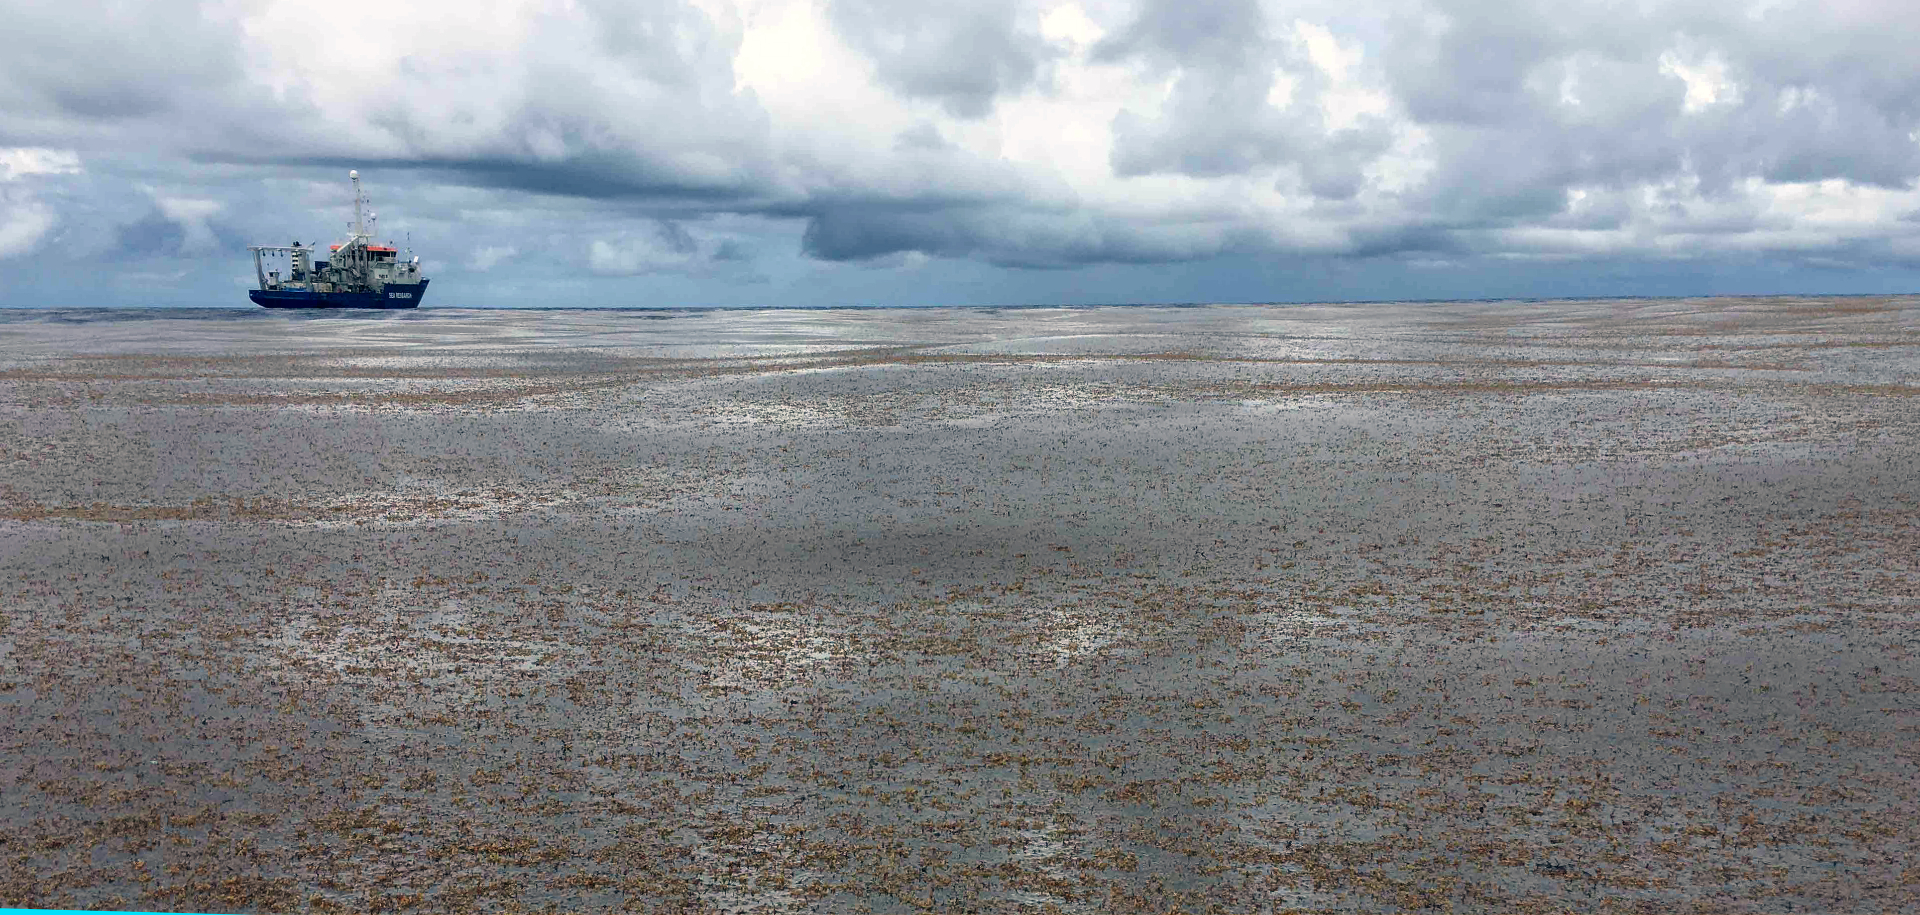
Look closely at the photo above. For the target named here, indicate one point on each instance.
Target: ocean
(1578, 605)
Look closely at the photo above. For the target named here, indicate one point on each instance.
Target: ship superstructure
(356, 273)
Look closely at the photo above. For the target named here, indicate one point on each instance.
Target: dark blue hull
(394, 296)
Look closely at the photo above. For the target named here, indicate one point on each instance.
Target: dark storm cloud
(614, 101)
(105, 62)
(155, 234)
(606, 100)
(1423, 239)
(963, 56)
(733, 250)
(591, 175)
(854, 233)
(1008, 236)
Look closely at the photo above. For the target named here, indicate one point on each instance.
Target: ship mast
(359, 201)
(355, 249)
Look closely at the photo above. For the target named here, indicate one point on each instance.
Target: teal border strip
(86, 912)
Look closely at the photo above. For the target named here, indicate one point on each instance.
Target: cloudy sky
(821, 152)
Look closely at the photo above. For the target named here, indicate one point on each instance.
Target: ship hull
(396, 295)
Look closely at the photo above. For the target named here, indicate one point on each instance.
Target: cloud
(153, 235)
(193, 216)
(961, 55)
(21, 161)
(74, 67)
(612, 137)
(176, 226)
(1707, 81)
(25, 219)
(23, 222)
(662, 247)
(485, 259)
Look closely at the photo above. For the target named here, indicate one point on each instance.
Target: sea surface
(1588, 605)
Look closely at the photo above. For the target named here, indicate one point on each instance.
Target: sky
(661, 153)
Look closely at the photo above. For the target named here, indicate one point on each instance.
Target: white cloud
(20, 161)
(628, 257)
(25, 219)
(662, 247)
(193, 215)
(1068, 24)
(1347, 98)
(1708, 83)
(486, 258)
(23, 222)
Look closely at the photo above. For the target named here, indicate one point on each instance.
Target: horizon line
(1490, 300)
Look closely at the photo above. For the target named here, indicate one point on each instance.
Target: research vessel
(356, 273)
